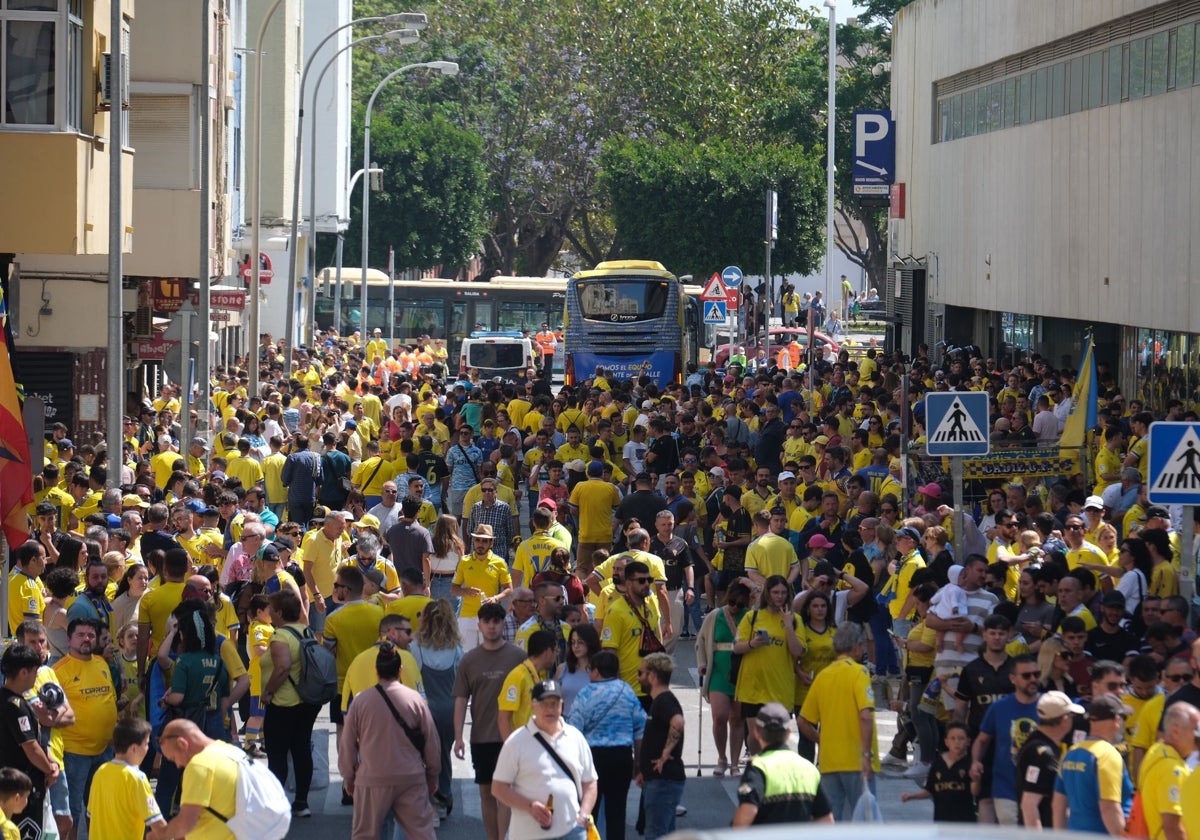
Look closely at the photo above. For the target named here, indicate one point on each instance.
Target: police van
(496, 355)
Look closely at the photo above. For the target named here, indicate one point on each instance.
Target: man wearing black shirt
(20, 745)
(1188, 692)
(662, 454)
(984, 680)
(678, 561)
(643, 504)
(660, 771)
(771, 433)
(1037, 762)
(1109, 640)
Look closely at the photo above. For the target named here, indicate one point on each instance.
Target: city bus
(631, 317)
(445, 309)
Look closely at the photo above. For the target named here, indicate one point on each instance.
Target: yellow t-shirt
(533, 555)
(155, 608)
(227, 620)
(771, 554)
(210, 781)
(260, 636)
(355, 627)
(818, 653)
(121, 804)
(411, 607)
(516, 695)
(92, 695)
(246, 469)
(322, 556)
(1148, 717)
(361, 675)
(766, 675)
(836, 698)
(489, 576)
(25, 599)
(596, 501)
(623, 632)
(903, 578)
(1160, 781)
(1191, 805)
(391, 578)
(161, 464)
(195, 547)
(1164, 582)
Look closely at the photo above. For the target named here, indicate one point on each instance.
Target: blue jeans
(80, 769)
(661, 795)
(843, 790)
(439, 587)
(885, 652)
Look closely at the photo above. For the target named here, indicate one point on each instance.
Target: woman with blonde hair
(438, 650)
(448, 549)
(1052, 662)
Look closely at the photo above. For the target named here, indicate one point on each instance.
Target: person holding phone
(769, 641)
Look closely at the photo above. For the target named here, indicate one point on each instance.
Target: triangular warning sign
(715, 290)
(1181, 472)
(957, 427)
(712, 311)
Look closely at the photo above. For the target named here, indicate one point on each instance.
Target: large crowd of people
(505, 571)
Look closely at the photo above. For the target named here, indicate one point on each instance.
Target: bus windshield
(622, 300)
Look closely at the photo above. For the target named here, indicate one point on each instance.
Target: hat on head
(821, 440)
(786, 475)
(368, 521)
(595, 468)
(201, 442)
(1107, 707)
(195, 505)
(819, 541)
(647, 404)
(483, 532)
(65, 443)
(548, 504)
(1113, 599)
(546, 688)
(773, 716)
(133, 500)
(376, 577)
(1157, 512)
(933, 490)
(351, 424)
(717, 471)
(954, 573)
(163, 440)
(576, 465)
(910, 532)
(1055, 704)
(1093, 502)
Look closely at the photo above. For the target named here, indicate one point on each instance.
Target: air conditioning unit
(106, 81)
(143, 323)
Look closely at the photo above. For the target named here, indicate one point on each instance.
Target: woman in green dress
(714, 654)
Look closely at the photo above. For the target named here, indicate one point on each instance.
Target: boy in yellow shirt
(15, 788)
(121, 805)
(259, 641)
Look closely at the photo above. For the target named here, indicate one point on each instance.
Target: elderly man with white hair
(323, 553)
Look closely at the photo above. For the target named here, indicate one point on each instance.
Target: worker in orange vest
(547, 343)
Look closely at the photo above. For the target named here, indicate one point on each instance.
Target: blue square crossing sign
(956, 423)
(1174, 463)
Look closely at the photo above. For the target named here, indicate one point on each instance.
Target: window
(1137, 69)
(622, 301)
(943, 131)
(1041, 93)
(1156, 61)
(995, 95)
(1058, 89)
(161, 130)
(1025, 99)
(1010, 103)
(1075, 86)
(956, 105)
(1113, 75)
(41, 64)
(968, 114)
(1094, 69)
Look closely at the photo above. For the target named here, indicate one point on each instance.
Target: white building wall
(1089, 216)
(331, 113)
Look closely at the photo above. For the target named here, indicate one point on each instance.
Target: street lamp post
(446, 68)
(415, 21)
(396, 35)
(336, 283)
(829, 148)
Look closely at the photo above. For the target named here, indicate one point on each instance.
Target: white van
(503, 355)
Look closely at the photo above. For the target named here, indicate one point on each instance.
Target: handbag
(592, 832)
(415, 735)
(735, 659)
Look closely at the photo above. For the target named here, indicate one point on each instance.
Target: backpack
(262, 810)
(318, 670)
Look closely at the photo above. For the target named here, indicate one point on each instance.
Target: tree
(698, 207)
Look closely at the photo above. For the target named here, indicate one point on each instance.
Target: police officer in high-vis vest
(778, 785)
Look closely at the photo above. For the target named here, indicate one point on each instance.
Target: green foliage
(699, 207)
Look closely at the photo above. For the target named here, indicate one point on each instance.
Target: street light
(829, 167)
(402, 36)
(446, 68)
(415, 20)
(312, 167)
(336, 283)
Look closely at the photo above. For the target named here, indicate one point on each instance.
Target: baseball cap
(1093, 502)
(717, 471)
(376, 577)
(367, 521)
(1056, 704)
(821, 440)
(163, 440)
(548, 504)
(786, 475)
(819, 541)
(773, 716)
(910, 532)
(133, 500)
(546, 688)
(933, 490)
(1113, 599)
(1107, 707)
(647, 405)
(1157, 511)
(65, 443)
(576, 465)
(201, 442)
(595, 468)
(351, 424)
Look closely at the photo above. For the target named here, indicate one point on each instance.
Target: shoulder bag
(592, 832)
(415, 735)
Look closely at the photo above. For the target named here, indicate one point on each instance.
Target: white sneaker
(890, 760)
(918, 770)
(680, 811)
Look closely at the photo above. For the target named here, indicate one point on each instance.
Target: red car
(779, 336)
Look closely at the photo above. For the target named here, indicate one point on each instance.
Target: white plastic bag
(866, 810)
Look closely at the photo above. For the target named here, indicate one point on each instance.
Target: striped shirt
(980, 604)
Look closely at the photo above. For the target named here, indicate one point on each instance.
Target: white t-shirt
(635, 453)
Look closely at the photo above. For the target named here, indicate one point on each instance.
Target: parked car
(779, 336)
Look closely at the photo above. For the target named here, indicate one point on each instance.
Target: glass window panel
(1058, 89)
(1157, 63)
(1112, 79)
(968, 114)
(1171, 51)
(1010, 103)
(956, 106)
(1075, 85)
(1025, 99)
(32, 5)
(74, 80)
(515, 315)
(943, 131)
(1095, 81)
(994, 105)
(29, 79)
(1041, 93)
(418, 317)
(1137, 69)
(981, 105)
(1185, 55)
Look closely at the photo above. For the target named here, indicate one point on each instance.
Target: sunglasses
(1074, 527)
(640, 580)
(1177, 678)
(1030, 675)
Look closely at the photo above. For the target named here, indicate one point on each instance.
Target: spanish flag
(1084, 404)
(16, 475)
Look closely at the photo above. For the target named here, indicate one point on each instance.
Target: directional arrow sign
(732, 276)
(715, 290)
(877, 169)
(714, 312)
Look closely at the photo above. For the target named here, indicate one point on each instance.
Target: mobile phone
(762, 634)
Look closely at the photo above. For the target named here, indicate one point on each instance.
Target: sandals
(721, 768)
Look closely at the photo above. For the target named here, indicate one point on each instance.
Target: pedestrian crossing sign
(714, 312)
(956, 423)
(1174, 468)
